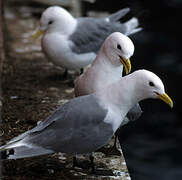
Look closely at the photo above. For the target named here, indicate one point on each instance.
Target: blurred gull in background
(73, 43)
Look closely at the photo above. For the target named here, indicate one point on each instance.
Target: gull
(114, 54)
(72, 43)
(87, 123)
(106, 69)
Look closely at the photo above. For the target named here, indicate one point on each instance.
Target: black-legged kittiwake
(86, 123)
(73, 43)
(107, 68)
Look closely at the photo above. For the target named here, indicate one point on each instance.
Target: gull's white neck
(106, 71)
(118, 94)
(119, 98)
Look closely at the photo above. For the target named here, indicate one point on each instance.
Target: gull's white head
(149, 85)
(56, 19)
(119, 48)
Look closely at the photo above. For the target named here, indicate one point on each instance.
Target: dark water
(152, 145)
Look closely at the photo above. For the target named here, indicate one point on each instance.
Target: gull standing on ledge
(87, 123)
(106, 69)
(72, 43)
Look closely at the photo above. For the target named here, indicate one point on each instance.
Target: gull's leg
(115, 141)
(91, 157)
(65, 74)
(114, 150)
(75, 163)
(85, 165)
(81, 71)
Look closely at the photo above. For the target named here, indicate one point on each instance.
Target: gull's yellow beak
(126, 63)
(166, 99)
(38, 34)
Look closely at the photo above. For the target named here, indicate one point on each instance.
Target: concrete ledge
(1, 54)
(1, 63)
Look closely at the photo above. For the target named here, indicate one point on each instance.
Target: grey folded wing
(134, 113)
(76, 127)
(118, 15)
(90, 33)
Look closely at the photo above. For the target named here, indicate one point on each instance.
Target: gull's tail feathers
(17, 149)
(118, 15)
(132, 26)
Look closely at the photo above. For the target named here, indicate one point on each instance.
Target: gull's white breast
(57, 49)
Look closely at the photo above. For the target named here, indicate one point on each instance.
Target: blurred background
(151, 145)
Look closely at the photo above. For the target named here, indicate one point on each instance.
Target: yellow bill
(166, 99)
(38, 34)
(126, 64)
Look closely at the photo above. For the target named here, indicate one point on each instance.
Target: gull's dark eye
(151, 83)
(119, 47)
(50, 22)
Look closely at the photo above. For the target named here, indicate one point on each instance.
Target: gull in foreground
(73, 43)
(87, 123)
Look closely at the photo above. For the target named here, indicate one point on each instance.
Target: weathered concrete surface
(1, 53)
(1, 62)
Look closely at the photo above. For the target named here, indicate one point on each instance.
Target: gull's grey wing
(118, 15)
(90, 33)
(134, 113)
(78, 122)
(58, 114)
(76, 127)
